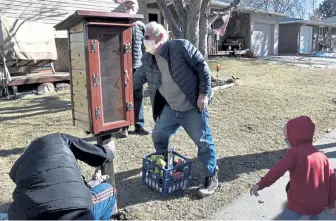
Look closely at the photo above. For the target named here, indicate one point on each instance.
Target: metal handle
(129, 106)
(95, 80)
(127, 47)
(127, 78)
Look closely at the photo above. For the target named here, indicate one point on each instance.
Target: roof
(331, 20)
(304, 22)
(79, 15)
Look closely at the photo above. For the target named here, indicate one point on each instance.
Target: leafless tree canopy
(193, 19)
(293, 8)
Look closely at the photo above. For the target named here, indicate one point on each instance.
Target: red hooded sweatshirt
(312, 180)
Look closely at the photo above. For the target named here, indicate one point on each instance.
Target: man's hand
(202, 102)
(254, 190)
(97, 178)
(111, 146)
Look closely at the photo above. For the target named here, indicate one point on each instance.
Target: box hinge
(127, 47)
(95, 80)
(97, 112)
(93, 46)
(129, 106)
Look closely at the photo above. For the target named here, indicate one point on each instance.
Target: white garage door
(306, 39)
(261, 39)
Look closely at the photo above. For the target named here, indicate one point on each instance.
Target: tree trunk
(175, 27)
(182, 15)
(203, 25)
(192, 27)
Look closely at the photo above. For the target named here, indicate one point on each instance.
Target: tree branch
(176, 29)
(181, 10)
(212, 18)
(233, 4)
(216, 13)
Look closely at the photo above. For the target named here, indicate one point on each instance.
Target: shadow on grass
(37, 107)
(131, 191)
(12, 151)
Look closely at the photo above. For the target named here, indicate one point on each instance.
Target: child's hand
(330, 211)
(254, 190)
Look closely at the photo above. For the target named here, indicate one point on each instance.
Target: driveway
(323, 61)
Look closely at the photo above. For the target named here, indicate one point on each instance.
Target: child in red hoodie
(312, 180)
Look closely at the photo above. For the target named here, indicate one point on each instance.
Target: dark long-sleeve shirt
(48, 178)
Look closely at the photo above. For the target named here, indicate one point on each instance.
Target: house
(250, 28)
(54, 11)
(330, 20)
(299, 36)
(257, 30)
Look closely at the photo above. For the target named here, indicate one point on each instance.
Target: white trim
(310, 41)
(269, 22)
(306, 22)
(246, 9)
(153, 11)
(150, 1)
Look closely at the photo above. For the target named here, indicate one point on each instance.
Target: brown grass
(246, 122)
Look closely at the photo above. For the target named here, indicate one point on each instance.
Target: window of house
(153, 17)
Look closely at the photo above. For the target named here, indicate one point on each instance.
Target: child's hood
(300, 131)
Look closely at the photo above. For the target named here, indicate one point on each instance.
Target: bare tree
(316, 15)
(193, 20)
(294, 8)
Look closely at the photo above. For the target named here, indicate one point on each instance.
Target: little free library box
(100, 51)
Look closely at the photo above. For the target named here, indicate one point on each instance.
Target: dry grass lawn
(246, 121)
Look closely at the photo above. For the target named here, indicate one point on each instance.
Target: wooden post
(108, 168)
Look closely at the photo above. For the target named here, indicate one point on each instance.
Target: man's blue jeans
(291, 215)
(139, 121)
(138, 108)
(104, 200)
(196, 125)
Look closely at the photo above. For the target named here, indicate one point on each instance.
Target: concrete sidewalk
(272, 200)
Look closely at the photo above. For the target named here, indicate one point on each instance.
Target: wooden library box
(100, 51)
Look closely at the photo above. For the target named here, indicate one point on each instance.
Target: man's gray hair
(158, 29)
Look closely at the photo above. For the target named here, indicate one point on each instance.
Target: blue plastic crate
(166, 181)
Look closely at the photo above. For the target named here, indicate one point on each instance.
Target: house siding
(51, 11)
(54, 11)
(267, 19)
(288, 38)
(292, 31)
